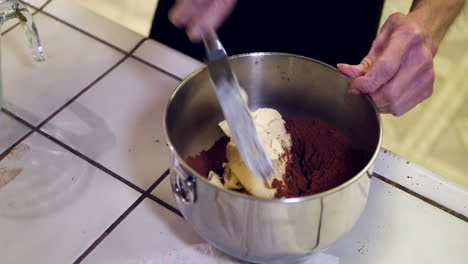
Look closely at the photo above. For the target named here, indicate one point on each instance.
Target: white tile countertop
(84, 164)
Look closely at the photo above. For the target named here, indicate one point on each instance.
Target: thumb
(352, 71)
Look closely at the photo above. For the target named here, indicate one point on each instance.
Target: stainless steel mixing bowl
(261, 230)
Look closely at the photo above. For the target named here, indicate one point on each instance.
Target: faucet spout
(32, 35)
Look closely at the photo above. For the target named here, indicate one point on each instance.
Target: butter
(271, 129)
(237, 169)
(214, 179)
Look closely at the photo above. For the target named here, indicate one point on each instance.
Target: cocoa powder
(320, 159)
(211, 159)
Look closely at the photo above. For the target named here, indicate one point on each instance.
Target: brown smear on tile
(18, 152)
(7, 175)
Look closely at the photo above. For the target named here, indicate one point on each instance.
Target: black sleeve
(332, 31)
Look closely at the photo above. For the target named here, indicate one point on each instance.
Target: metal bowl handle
(183, 186)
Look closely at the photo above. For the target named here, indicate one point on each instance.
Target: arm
(398, 72)
(435, 16)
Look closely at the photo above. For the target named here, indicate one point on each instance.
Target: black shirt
(331, 31)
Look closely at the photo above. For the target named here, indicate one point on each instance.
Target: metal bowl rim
(340, 187)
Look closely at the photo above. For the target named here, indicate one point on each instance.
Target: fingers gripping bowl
(270, 230)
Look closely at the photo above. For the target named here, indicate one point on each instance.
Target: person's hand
(200, 16)
(398, 72)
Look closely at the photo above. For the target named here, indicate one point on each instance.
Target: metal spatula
(235, 110)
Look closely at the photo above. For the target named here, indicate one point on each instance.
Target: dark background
(331, 31)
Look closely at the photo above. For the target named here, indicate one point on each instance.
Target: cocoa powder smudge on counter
(7, 175)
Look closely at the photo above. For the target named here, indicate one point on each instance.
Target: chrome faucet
(12, 9)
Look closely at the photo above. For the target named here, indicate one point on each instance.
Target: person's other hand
(200, 16)
(398, 72)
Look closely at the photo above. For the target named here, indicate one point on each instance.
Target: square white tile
(399, 228)
(10, 131)
(56, 204)
(167, 58)
(94, 24)
(119, 122)
(422, 181)
(73, 60)
(153, 234)
(35, 3)
(164, 192)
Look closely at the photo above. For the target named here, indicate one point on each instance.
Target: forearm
(436, 16)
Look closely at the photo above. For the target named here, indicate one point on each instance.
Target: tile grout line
(91, 85)
(37, 8)
(45, 4)
(121, 218)
(165, 205)
(109, 230)
(157, 68)
(15, 144)
(85, 32)
(159, 201)
(10, 29)
(91, 161)
(157, 182)
(17, 118)
(421, 197)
